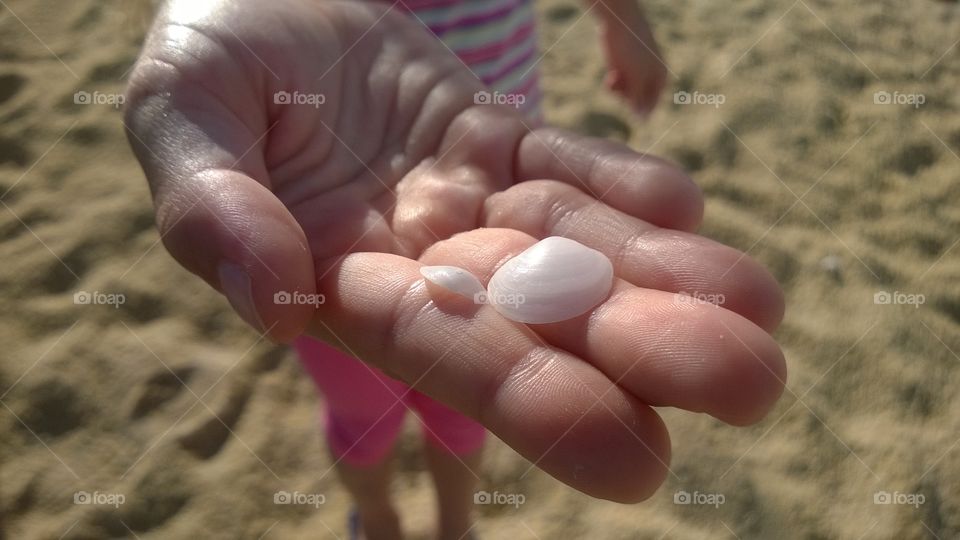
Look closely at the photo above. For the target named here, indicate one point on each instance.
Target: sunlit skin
(399, 168)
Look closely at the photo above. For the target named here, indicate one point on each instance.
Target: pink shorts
(365, 408)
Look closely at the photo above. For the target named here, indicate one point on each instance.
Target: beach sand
(170, 402)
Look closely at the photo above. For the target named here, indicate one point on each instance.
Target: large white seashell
(553, 280)
(454, 279)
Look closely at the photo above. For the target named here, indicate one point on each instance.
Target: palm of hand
(344, 197)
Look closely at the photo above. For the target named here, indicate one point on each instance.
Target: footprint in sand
(140, 306)
(914, 157)
(87, 135)
(10, 85)
(14, 152)
(111, 72)
(691, 159)
(159, 389)
(949, 306)
(205, 436)
(62, 275)
(28, 221)
(52, 407)
(157, 497)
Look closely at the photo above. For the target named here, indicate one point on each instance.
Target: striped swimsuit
(496, 39)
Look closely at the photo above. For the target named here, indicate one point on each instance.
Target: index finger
(641, 185)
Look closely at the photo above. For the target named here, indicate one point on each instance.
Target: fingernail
(235, 283)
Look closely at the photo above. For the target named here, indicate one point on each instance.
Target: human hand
(636, 68)
(397, 168)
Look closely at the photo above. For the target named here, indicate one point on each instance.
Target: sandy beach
(826, 137)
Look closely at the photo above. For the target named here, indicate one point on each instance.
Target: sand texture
(169, 401)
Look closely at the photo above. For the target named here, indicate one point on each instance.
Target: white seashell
(553, 280)
(454, 279)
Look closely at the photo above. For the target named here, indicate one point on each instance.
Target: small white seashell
(454, 279)
(553, 280)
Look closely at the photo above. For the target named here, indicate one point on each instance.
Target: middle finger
(645, 255)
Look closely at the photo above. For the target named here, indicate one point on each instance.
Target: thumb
(235, 234)
(214, 209)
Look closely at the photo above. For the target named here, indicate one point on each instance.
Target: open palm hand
(335, 147)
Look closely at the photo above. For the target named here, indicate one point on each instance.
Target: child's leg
(370, 488)
(363, 419)
(453, 445)
(454, 480)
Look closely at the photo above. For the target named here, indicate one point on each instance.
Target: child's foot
(354, 531)
(374, 524)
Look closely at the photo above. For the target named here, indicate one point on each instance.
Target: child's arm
(636, 69)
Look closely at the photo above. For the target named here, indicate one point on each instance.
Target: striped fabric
(496, 39)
